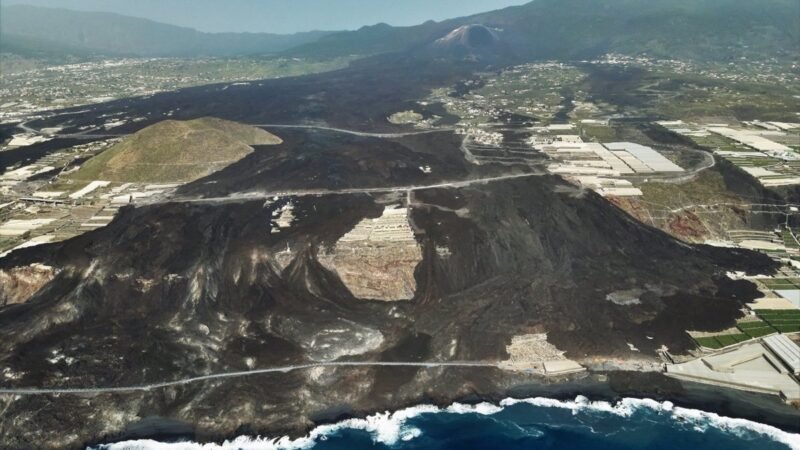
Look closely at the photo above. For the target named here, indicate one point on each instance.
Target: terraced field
(748, 329)
(785, 321)
(721, 340)
(789, 240)
(781, 283)
(756, 328)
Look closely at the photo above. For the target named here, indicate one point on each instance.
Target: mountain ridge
(119, 35)
(578, 29)
(541, 29)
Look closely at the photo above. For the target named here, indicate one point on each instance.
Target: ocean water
(537, 423)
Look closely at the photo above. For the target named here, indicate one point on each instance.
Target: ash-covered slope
(359, 97)
(473, 41)
(470, 36)
(331, 160)
(177, 290)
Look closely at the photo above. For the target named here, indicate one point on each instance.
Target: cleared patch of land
(378, 257)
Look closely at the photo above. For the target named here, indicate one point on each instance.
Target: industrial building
(763, 152)
(649, 157)
(752, 140)
(600, 167)
(768, 366)
(786, 350)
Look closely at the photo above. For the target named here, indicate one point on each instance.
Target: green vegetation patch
(722, 340)
(707, 188)
(755, 328)
(759, 332)
(730, 339)
(785, 321)
(767, 314)
(708, 342)
(778, 283)
(598, 133)
(789, 240)
(175, 152)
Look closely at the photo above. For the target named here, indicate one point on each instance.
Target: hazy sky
(281, 16)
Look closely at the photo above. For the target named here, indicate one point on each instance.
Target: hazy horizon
(279, 16)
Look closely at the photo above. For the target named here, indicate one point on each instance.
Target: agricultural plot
(756, 328)
(776, 284)
(721, 340)
(771, 163)
(789, 240)
(785, 321)
(103, 80)
(745, 330)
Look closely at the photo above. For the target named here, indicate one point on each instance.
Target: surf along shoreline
(611, 387)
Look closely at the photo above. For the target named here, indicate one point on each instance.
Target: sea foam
(700, 420)
(392, 428)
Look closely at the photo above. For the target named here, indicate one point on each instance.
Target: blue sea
(536, 423)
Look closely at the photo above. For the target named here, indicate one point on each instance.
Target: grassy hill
(175, 152)
(577, 29)
(118, 35)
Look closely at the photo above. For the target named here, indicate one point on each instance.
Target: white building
(785, 349)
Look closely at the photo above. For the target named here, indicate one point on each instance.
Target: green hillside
(175, 152)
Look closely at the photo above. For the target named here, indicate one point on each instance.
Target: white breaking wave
(737, 427)
(624, 408)
(701, 420)
(391, 428)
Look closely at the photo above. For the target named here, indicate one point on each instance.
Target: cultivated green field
(785, 321)
(749, 329)
(756, 329)
(721, 340)
(781, 283)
